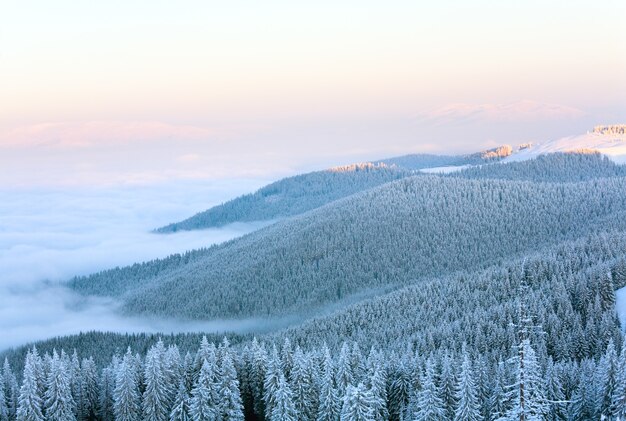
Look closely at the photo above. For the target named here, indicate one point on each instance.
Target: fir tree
(344, 375)
(554, 393)
(156, 399)
(30, 403)
(607, 373)
(467, 408)
(89, 389)
(399, 391)
(329, 402)
(258, 368)
(11, 389)
(181, 410)
(282, 408)
(126, 397)
(301, 381)
(4, 410)
(528, 391)
(429, 405)
(618, 401)
(378, 389)
(271, 382)
(75, 383)
(358, 404)
(203, 406)
(59, 405)
(107, 387)
(230, 406)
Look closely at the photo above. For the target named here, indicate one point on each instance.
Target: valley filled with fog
(47, 236)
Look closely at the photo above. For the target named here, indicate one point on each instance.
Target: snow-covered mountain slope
(608, 140)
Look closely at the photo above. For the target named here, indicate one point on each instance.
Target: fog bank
(49, 235)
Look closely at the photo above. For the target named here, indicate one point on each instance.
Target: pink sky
(118, 91)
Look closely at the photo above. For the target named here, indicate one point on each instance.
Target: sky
(149, 91)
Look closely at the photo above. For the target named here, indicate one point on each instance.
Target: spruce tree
(203, 406)
(448, 384)
(126, 396)
(181, 410)
(282, 408)
(59, 405)
(4, 410)
(89, 389)
(329, 403)
(607, 373)
(358, 404)
(230, 406)
(30, 402)
(618, 401)
(107, 387)
(301, 382)
(11, 389)
(527, 394)
(554, 392)
(378, 389)
(156, 398)
(75, 382)
(429, 405)
(344, 375)
(467, 408)
(258, 368)
(399, 391)
(271, 382)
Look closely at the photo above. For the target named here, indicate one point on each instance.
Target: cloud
(519, 111)
(101, 133)
(49, 235)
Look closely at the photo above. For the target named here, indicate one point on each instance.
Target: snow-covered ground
(444, 170)
(611, 145)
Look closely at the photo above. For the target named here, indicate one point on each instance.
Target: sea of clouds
(48, 235)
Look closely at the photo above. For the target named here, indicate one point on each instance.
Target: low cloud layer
(48, 236)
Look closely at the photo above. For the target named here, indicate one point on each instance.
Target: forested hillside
(406, 230)
(554, 167)
(487, 294)
(570, 295)
(423, 161)
(292, 196)
(295, 195)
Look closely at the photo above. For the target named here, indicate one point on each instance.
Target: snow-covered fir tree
(156, 401)
(181, 410)
(467, 406)
(203, 405)
(11, 389)
(127, 396)
(59, 403)
(618, 400)
(229, 406)
(4, 410)
(30, 402)
(282, 408)
(428, 405)
(358, 404)
(88, 405)
(329, 401)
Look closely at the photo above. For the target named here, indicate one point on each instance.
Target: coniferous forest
(483, 294)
